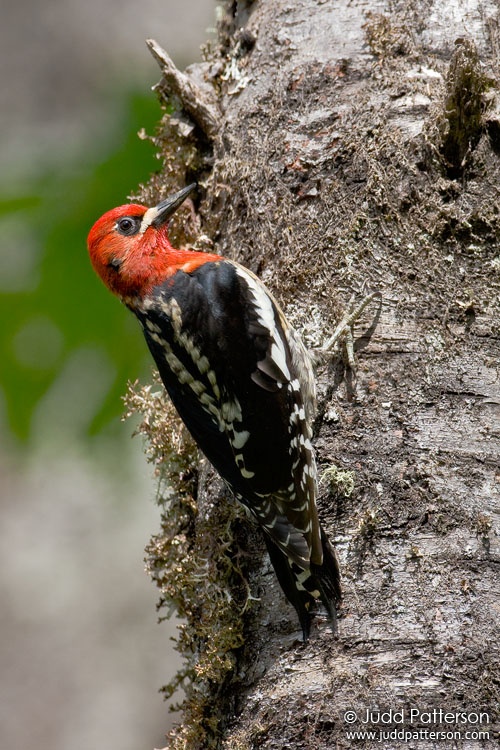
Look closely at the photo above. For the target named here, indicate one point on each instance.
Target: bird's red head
(130, 250)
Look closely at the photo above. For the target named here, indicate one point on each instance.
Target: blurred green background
(81, 654)
(67, 348)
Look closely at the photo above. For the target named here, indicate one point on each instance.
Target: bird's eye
(128, 225)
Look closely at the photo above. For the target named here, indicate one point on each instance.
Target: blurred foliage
(64, 340)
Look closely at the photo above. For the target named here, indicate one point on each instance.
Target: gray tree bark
(356, 148)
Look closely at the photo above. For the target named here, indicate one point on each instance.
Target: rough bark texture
(358, 149)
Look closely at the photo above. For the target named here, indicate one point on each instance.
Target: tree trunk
(357, 149)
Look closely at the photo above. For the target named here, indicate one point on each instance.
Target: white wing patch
(265, 314)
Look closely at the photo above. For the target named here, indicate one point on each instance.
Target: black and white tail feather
(243, 384)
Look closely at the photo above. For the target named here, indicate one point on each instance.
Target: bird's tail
(327, 576)
(303, 587)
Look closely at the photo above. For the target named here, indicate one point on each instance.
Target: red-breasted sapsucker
(240, 379)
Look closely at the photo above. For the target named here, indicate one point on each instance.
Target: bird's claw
(342, 339)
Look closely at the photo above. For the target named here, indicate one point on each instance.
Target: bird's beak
(164, 210)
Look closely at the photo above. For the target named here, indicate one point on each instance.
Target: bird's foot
(342, 339)
(343, 335)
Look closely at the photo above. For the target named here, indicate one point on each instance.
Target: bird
(240, 379)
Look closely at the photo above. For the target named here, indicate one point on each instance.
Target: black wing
(223, 353)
